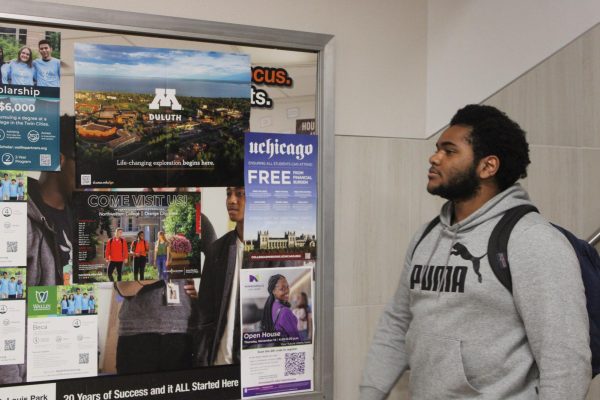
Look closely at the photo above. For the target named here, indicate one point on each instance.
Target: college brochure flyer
(62, 332)
(154, 117)
(277, 330)
(281, 197)
(12, 315)
(13, 234)
(126, 236)
(29, 102)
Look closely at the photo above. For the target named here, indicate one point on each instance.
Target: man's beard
(462, 186)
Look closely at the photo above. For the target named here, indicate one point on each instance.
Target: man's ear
(488, 167)
(63, 159)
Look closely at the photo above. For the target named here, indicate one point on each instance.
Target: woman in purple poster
(277, 315)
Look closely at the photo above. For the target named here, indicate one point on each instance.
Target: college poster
(29, 100)
(281, 197)
(62, 332)
(153, 117)
(127, 236)
(12, 315)
(13, 234)
(277, 330)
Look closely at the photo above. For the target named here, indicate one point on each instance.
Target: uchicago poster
(281, 197)
(179, 114)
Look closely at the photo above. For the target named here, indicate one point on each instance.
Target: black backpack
(589, 263)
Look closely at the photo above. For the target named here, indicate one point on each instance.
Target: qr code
(45, 160)
(12, 247)
(294, 363)
(84, 358)
(10, 345)
(86, 179)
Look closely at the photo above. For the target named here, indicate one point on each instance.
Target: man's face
(236, 203)
(453, 173)
(118, 233)
(45, 51)
(5, 177)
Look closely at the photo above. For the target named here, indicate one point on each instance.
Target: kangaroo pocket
(436, 368)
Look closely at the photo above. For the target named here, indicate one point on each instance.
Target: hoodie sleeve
(549, 295)
(387, 359)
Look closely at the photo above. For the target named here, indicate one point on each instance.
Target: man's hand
(190, 289)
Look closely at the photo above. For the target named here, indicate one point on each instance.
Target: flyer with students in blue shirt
(29, 100)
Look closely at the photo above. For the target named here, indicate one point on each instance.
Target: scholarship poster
(281, 197)
(13, 234)
(155, 117)
(140, 217)
(277, 353)
(29, 100)
(62, 332)
(12, 315)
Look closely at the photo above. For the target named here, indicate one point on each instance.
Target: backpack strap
(498, 243)
(428, 229)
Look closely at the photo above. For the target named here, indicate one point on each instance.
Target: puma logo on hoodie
(439, 278)
(460, 250)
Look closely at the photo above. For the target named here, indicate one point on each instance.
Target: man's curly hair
(493, 133)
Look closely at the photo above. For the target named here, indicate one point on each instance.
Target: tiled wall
(381, 198)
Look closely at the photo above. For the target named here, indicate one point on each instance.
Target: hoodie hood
(497, 205)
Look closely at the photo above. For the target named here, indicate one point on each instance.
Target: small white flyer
(13, 234)
(12, 332)
(62, 332)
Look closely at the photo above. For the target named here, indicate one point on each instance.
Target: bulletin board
(167, 207)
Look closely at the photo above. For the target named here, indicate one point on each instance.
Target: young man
(459, 330)
(47, 68)
(156, 333)
(13, 190)
(50, 215)
(78, 301)
(219, 325)
(85, 304)
(12, 288)
(116, 254)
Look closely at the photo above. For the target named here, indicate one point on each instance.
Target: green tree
(10, 48)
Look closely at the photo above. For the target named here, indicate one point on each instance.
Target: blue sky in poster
(281, 189)
(133, 69)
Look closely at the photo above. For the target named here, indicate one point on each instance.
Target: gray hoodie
(464, 336)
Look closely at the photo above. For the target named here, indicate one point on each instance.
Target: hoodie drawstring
(423, 273)
(442, 281)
